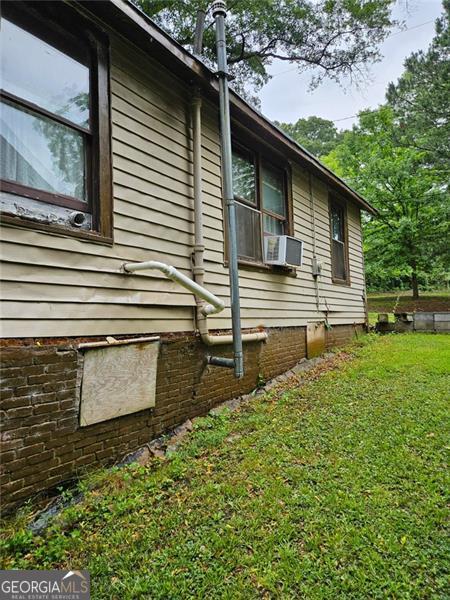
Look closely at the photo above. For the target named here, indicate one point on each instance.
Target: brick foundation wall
(339, 335)
(42, 443)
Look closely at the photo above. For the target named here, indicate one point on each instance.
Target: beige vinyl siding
(275, 300)
(56, 285)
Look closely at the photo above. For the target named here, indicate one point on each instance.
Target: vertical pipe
(199, 245)
(199, 27)
(219, 13)
(313, 227)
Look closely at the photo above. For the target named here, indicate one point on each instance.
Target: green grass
(373, 318)
(334, 489)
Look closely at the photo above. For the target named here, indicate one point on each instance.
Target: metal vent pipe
(219, 12)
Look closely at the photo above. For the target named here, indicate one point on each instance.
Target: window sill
(248, 265)
(91, 236)
(344, 282)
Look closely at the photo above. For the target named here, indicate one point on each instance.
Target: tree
(410, 234)
(318, 136)
(421, 97)
(334, 37)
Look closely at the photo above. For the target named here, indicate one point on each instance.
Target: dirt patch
(407, 304)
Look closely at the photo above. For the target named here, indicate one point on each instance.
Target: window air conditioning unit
(283, 250)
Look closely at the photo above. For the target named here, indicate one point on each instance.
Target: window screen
(248, 233)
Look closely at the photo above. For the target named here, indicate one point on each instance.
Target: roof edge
(201, 72)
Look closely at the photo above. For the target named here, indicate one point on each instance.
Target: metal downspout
(199, 246)
(219, 12)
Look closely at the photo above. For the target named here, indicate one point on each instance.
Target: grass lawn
(334, 489)
(373, 318)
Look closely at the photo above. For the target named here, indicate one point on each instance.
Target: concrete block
(442, 322)
(443, 316)
(424, 321)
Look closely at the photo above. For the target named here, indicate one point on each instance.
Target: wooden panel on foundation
(117, 381)
(315, 339)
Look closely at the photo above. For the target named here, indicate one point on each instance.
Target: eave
(127, 20)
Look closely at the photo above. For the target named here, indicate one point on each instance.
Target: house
(111, 155)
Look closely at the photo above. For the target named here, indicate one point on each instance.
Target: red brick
(8, 456)
(6, 393)
(13, 382)
(42, 457)
(47, 408)
(28, 390)
(30, 450)
(43, 398)
(19, 412)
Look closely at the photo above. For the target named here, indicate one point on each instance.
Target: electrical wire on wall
(315, 262)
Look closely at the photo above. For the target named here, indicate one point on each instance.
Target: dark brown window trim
(36, 16)
(332, 199)
(28, 192)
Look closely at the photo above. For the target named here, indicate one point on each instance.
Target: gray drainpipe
(219, 12)
(199, 246)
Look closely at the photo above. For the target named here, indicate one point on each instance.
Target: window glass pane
(35, 71)
(40, 153)
(337, 223)
(244, 178)
(338, 260)
(248, 233)
(273, 198)
(273, 226)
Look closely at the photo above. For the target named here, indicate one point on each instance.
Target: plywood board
(315, 339)
(118, 381)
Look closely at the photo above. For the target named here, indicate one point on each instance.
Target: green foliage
(336, 489)
(410, 234)
(260, 381)
(398, 157)
(334, 37)
(420, 98)
(319, 136)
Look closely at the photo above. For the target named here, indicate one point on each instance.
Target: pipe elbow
(260, 336)
(211, 309)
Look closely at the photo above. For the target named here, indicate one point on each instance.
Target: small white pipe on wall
(207, 303)
(215, 304)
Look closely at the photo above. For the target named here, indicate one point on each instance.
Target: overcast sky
(286, 97)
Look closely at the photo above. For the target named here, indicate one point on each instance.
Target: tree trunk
(415, 285)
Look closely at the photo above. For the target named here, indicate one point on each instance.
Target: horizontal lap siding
(56, 285)
(274, 299)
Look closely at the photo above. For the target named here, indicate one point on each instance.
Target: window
(261, 209)
(339, 252)
(54, 139)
